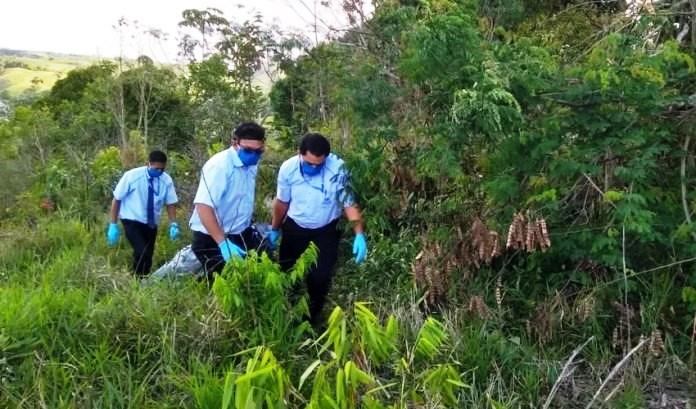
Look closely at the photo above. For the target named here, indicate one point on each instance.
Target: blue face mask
(249, 157)
(311, 170)
(154, 173)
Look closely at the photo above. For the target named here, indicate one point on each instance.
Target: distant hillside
(21, 71)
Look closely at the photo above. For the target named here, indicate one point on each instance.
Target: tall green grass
(77, 331)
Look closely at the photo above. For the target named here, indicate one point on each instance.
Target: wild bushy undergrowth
(76, 330)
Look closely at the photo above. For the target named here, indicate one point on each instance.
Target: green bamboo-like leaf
(392, 328)
(332, 403)
(228, 393)
(308, 372)
(431, 338)
(247, 377)
(340, 386)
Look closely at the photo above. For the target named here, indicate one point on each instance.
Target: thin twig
(565, 372)
(682, 172)
(693, 344)
(614, 371)
(613, 391)
(625, 277)
(597, 188)
(693, 334)
(662, 267)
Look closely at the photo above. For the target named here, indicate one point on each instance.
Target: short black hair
(315, 143)
(250, 130)
(158, 156)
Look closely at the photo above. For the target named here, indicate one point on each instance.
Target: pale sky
(87, 26)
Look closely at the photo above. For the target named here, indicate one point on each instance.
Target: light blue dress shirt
(228, 187)
(131, 191)
(314, 201)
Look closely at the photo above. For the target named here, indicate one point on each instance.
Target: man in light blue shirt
(224, 202)
(312, 195)
(138, 200)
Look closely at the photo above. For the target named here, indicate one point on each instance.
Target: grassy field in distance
(22, 70)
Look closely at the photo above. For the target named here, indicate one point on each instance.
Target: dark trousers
(142, 238)
(295, 241)
(209, 254)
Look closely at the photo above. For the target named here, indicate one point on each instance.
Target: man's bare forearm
(280, 209)
(115, 208)
(210, 222)
(171, 213)
(355, 216)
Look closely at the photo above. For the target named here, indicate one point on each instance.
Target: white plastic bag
(183, 264)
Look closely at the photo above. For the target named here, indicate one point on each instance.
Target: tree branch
(682, 174)
(683, 33)
(614, 371)
(565, 372)
(594, 185)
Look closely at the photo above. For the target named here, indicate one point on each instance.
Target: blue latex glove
(229, 250)
(112, 234)
(360, 248)
(273, 238)
(174, 231)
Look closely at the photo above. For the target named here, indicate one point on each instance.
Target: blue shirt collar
(235, 158)
(332, 163)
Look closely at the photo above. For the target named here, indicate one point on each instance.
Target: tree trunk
(693, 24)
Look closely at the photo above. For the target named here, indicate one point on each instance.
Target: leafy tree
(221, 81)
(72, 88)
(157, 106)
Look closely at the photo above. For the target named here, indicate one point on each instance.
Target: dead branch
(597, 188)
(614, 371)
(565, 372)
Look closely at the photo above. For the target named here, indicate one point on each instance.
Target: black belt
(291, 227)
